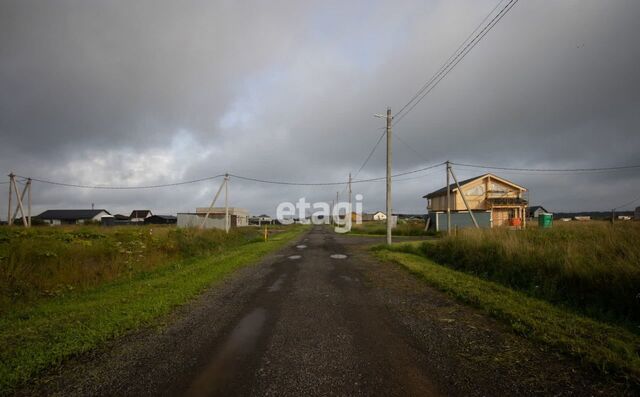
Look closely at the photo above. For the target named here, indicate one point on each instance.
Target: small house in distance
(535, 211)
(72, 217)
(494, 201)
(238, 217)
(138, 216)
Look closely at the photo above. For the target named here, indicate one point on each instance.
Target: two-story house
(503, 199)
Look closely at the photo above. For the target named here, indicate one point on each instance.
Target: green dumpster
(545, 220)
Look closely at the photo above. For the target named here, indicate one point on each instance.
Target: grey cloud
(90, 92)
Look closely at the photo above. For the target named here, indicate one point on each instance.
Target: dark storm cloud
(136, 93)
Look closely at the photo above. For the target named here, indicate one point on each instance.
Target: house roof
(454, 187)
(70, 214)
(536, 207)
(140, 213)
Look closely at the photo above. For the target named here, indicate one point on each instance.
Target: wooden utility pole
(464, 199)
(19, 198)
(448, 200)
(227, 222)
(389, 211)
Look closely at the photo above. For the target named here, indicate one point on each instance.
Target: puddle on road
(338, 256)
(240, 343)
(295, 257)
(301, 246)
(277, 284)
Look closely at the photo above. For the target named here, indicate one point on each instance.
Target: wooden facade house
(502, 198)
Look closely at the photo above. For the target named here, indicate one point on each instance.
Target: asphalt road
(305, 323)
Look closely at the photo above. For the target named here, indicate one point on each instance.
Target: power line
(124, 187)
(626, 204)
(449, 66)
(600, 169)
(246, 178)
(449, 59)
(370, 154)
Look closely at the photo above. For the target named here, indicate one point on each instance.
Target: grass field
(115, 295)
(610, 348)
(45, 262)
(593, 268)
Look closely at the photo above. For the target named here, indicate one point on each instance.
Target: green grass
(45, 262)
(45, 334)
(593, 267)
(611, 349)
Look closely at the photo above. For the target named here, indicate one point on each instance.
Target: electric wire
(598, 169)
(440, 70)
(373, 150)
(241, 177)
(453, 62)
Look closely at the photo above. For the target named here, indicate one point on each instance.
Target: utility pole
(350, 209)
(226, 203)
(389, 211)
(448, 200)
(11, 177)
(464, 199)
(29, 199)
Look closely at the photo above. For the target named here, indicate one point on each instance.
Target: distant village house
(238, 217)
(138, 216)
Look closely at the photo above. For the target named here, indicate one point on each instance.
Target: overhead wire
(453, 62)
(597, 169)
(241, 177)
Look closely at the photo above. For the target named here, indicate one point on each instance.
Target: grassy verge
(609, 348)
(35, 338)
(593, 267)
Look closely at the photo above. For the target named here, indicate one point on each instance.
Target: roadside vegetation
(593, 267)
(114, 293)
(380, 229)
(572, 287)
(45, 262)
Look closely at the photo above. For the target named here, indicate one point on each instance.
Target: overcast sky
(148, 92)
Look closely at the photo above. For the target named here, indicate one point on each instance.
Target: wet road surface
(310, 329)
(322, 317)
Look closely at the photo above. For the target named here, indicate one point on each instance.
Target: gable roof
(140, 213)
(70, 214)
(453, 187)
(534, 208)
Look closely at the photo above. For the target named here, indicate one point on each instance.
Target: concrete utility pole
(389, 211)
(448, 200)
(350, 209)
(227, 224)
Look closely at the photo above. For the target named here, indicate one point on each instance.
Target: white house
(238, 217)
(379, 216)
